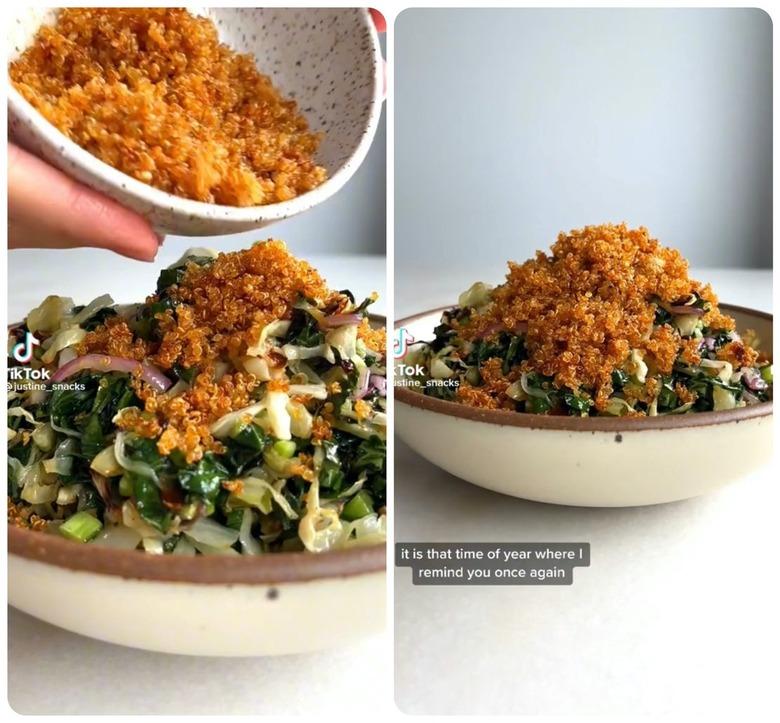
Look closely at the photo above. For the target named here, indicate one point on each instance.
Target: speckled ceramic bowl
(590, 462)
(227, 606)
(327, 59)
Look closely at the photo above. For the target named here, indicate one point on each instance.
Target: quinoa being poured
(608, 324)
(239, 409)
(153, 93)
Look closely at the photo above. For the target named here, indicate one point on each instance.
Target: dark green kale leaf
(204, 478)
(148, 502)
(304, 330)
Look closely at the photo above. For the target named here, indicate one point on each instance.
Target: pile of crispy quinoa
(584, 307)
(152, 92)
(219, 312)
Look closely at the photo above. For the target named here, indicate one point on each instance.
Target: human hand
(47, 209)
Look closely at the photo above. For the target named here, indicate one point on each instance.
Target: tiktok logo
(403, 339)
(23, 351)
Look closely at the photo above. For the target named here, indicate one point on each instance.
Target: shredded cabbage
(344, 340)
(131, 519)
(249, 544)
(117, 537)
(105, 463)
(293, 352)
(69, 336)
(275, 329)
(259, 492)
(301, 420)
(131, 465)
(48, 316)
(208, 532)
(102, 302)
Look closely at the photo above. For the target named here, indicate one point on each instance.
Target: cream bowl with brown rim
(238, 606)
(593, 461)
(224, 606)
(327, 59)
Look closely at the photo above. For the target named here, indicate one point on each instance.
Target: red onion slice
(491, 329)
(379, 383)
(335, 320)
(521, 328)
(686, 310)
(103, 363)
(753, 380)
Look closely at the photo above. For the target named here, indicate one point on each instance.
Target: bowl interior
(325, 59)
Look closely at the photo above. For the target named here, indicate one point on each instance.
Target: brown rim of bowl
(270, 569)
(507, 418)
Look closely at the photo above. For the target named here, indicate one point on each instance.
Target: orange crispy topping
(227, 303)
(188, 416)
(476, 396)
(684, 394)
(690, 352)
(152, 92)
(651, 389)
(278, 385)
(589, 303)
(114, 338)
(320, 429)
(145, 424)
(374, 339)
(221, 310)
(304, 468)
(23, 516)
(235, 485)
(495, 383)
(738, 354)
(362, 410)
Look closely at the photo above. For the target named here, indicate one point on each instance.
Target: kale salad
(240, 409)
(608, 324)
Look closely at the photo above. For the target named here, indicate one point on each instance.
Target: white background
(514, 124)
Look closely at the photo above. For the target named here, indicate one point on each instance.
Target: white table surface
(677, 612)
(92, 677)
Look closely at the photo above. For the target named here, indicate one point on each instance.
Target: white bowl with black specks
(327, 59)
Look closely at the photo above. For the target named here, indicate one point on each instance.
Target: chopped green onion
(359, 506)
(81, 527)
(126, 486)
(284, 448)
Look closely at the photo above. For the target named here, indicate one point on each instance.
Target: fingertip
(379, 20)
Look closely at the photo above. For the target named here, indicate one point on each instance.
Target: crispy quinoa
(215, 312)
(609, 321)
(153, 93)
